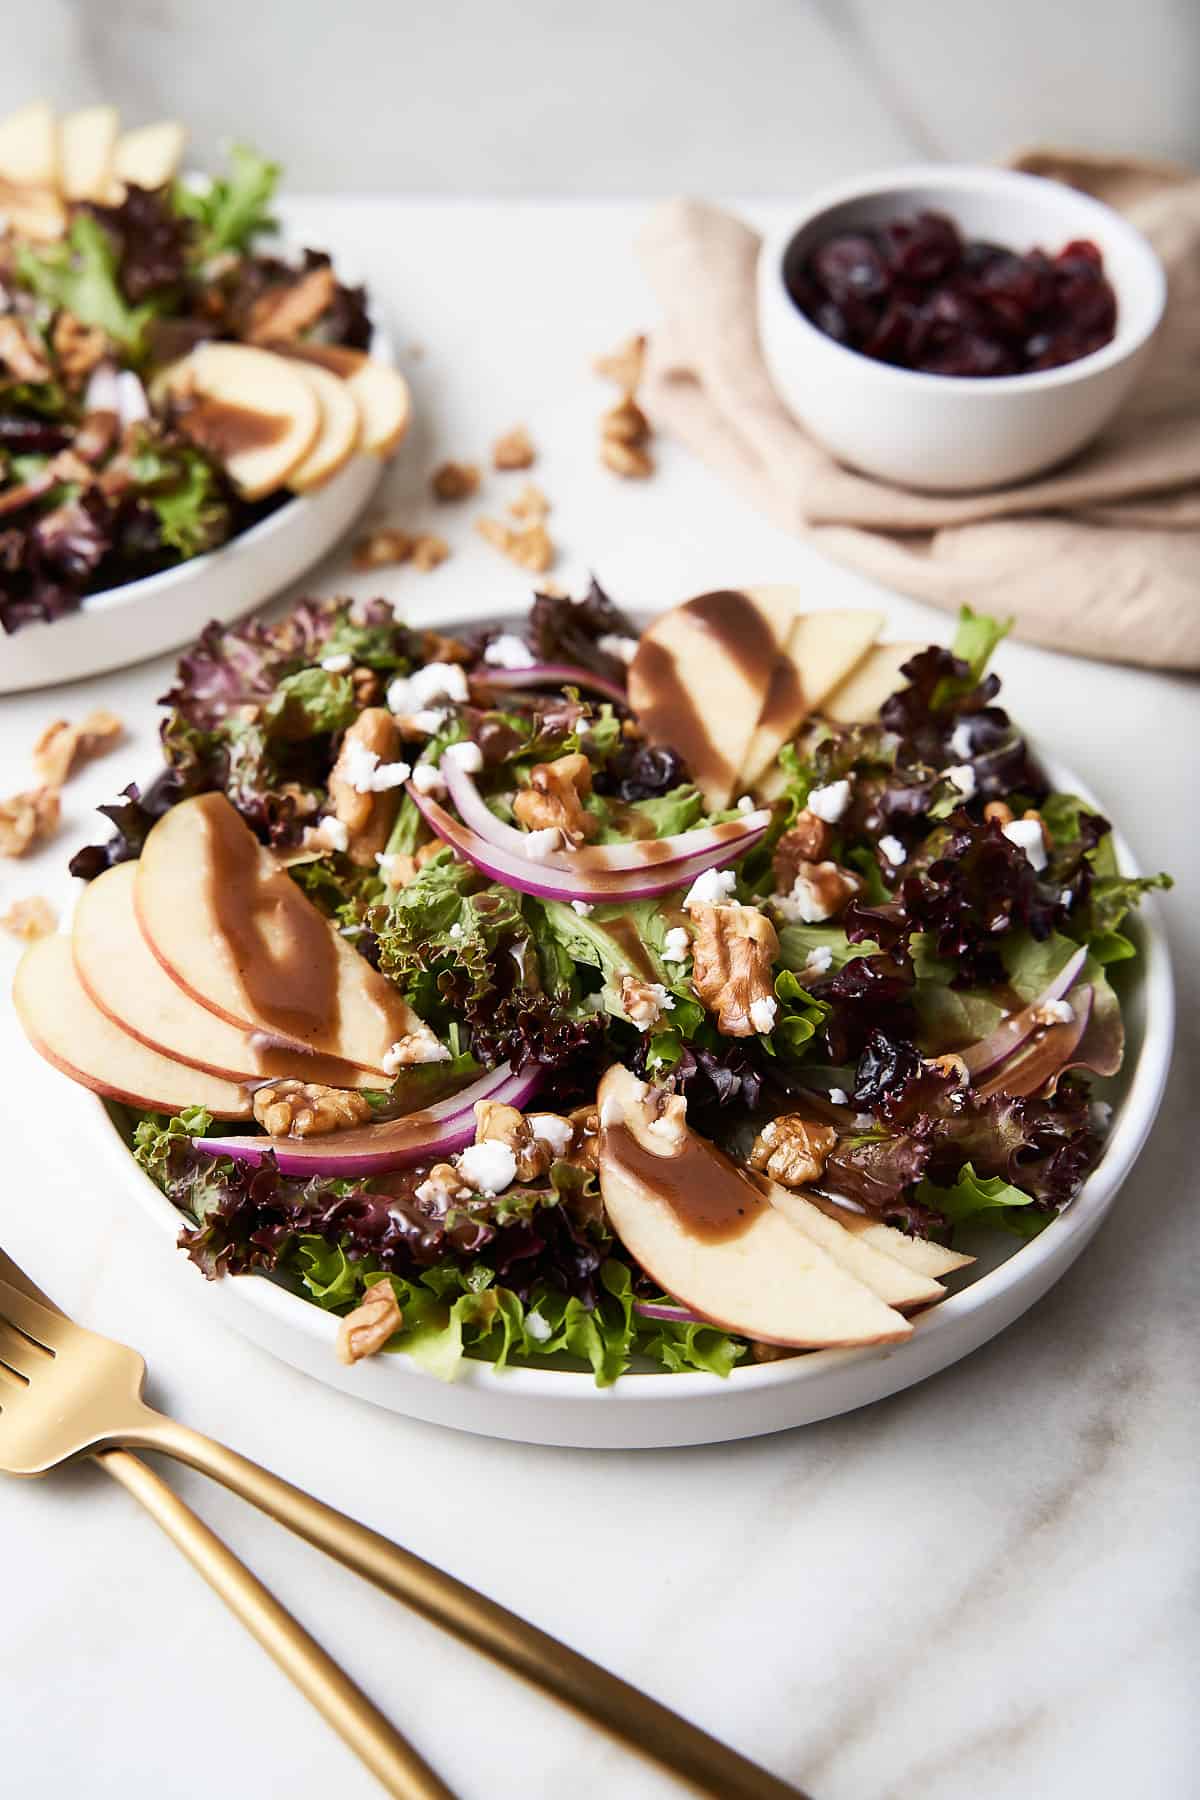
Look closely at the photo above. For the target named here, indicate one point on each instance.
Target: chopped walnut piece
(585, 1146)
(61, 748)
(436, 647)
(954, 1066)
(530, 504)
(21, 352)
(367, 685)
(530, 547)
(25, 819)
(367, 817)
(30, 918)
(821, 890)
(288, 308)
(624, 433)
(306, 1109)
(514, 450)
(628, 460)
(999, 811)
(428, 551)
(624, 364)
(398, 868)
(792, 1150)
(79, 348)
(366, 1330)
(767, 1353)
(644, 1001)
(733, 948)
(379, 548)
(625, 423)
(555, 796)
(454, 481)
(499, 1124)
(807, 841)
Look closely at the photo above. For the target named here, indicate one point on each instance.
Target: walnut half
(792, 1150)
(368, 817)
(733, 948)
(366, 1330)
(306, 1109)
(555, 796)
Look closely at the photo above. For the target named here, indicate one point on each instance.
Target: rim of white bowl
(1134, 1118)
(968, 178)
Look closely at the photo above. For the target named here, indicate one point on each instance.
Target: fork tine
(20, 1355)
(34, 1321)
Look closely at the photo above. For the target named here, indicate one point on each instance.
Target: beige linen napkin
(1100, 557)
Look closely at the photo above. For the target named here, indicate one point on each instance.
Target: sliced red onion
(422, 1136)
(670, 1315)
(550, 675)
(545, 882)
(1012, 1032)
(1048, 1058)
(731, 839)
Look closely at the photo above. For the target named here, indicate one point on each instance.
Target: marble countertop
(982, 1585)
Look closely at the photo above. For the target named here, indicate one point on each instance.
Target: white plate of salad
(607, 1036)
(191, 413)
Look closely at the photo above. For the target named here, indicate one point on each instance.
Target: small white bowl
(951, 433)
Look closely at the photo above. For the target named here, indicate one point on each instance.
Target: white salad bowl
(950, 433)
(141, 619)
(543, 1405)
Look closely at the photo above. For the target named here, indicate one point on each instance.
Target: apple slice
(69, 1030)
(384, 405)
(339, 433)
(29, 148)
(701, 676)
(705, 1231)
(918, 1254)
(125, 980)
(860, 696)
(885, 1275)
(86, 142)
(253, 410)
(822, 649)
(150, 156)
(231, 927)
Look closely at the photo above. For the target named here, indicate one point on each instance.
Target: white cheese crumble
(407, 694)
(829, 803)
(427, 779)
(1066, 899)
(364, 771)
(338, 664)
(962, 776)
(548, 1128)
(804, 903)
(960, 740)
(1026, 834)
(1054, 1012)
(839, 1097)
(455, 932)
(819, 961)
(583, 907)
(710, 889)
(488, 1167)
(541, 844)
(745, 804)
(677, 945)
(334, 833)
(1100, 1115)
(763, 1014)
(613, 644)
(417, 1048)
(508, 651)
(892, 851)
(465, 756)
(537, 1328)
(429, 719)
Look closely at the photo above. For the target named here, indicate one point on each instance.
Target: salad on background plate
(562, 991)
(167, 376)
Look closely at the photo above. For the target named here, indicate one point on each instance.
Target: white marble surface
(984, 1585)
(541, 97)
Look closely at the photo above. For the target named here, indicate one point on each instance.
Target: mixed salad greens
(99, 482)
(966, 895)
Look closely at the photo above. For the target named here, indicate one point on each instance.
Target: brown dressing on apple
(225, 429)
(334, 357)
(280, 945)
(710, 1196)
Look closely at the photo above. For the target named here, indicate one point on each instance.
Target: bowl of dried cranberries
(954, 329)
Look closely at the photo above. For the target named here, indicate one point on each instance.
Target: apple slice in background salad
(502, 967)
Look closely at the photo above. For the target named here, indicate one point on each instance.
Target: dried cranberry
(850, 267)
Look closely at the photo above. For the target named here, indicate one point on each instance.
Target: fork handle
(643, 1724)
(372, 1737)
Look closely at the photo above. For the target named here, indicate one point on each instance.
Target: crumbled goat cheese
(745, 804)
(961, 740)
(1026, 834)
(364, 771)
(663, 1002)
(677, 945)
(407, 694)
(892, 851)
(537, 1328)
(416, 1048)
(1100, 1115)
(763, 1014)
(427, 779)
(455, 932)
(710, 889)
(508, 651)
(429, 719)
(466, 756)
(962, 776)
(819, 961)
(829, 803)
(541, 844)
(582, 907)
(839, 1097)
(1066, 899)
(488, 1167)
(613, 644)
(334, 833)
(1054, 1012)
(804, 903)
(550, 1129)
(337, 665)
(428, 1193)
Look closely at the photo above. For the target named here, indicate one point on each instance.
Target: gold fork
(69, 1392)
(358, 1721)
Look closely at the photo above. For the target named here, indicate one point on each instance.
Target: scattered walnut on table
(530, 505)
(733, 948)
(792, 1150)
(62, 747)
(26, 819)
(454, 481)
(555, 797)
(383, 547)
(514, 450)
(30, 918)
(623, 365)
(628, 460)
(366, 1330)
(428, 551)
(530, 547)
(306, 1109)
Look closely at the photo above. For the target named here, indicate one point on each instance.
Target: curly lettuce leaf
(235, 209)
(80, 274)
(186, 493)
(310, 702)
(974, 1200)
